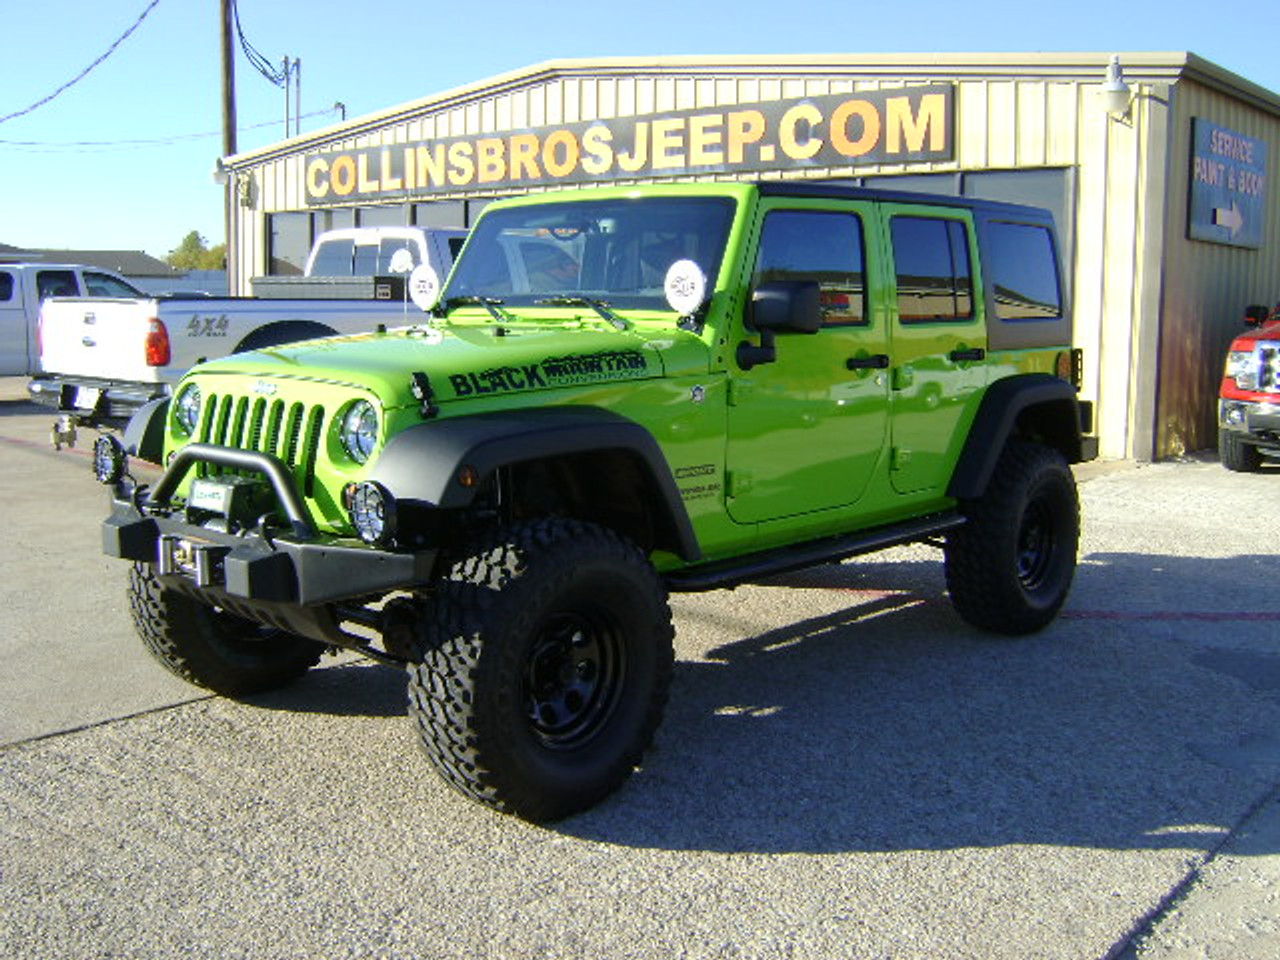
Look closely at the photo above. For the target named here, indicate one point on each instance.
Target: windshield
(617, 251)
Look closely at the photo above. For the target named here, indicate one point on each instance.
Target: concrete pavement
(845, 769)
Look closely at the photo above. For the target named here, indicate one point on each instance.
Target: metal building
(1158, 166)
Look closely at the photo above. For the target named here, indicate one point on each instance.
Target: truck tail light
(157, 346)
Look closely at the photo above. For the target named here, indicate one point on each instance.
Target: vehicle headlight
(1242, 367)
(186, 409)
(360, 431)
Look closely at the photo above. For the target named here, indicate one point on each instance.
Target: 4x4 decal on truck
(515, 546)
(554, 371)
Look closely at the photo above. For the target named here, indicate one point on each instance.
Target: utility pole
(228, 83)
(228, 139)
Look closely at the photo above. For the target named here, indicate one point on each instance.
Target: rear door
(939, 342)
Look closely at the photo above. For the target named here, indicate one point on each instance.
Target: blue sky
(122, 159)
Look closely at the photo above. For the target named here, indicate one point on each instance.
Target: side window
(821, 246)
(6, 286)
(56, 283)
(105, 285)
(935, 280)
(1024, 272)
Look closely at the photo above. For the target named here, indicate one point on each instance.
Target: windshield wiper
(599, 306)
(492, 304)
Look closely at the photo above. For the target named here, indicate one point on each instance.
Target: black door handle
(968, 356)
(878, 361)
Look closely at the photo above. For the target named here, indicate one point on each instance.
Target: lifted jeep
(618, 393)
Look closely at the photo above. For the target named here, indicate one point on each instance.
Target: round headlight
(109, 459)
(372, 512)
(360, 431)
(186, 409)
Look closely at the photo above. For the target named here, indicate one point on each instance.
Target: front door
(806, 430)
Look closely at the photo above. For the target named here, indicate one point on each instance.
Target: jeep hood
(465, 361)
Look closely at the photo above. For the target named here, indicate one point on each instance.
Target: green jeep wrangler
(618, 392)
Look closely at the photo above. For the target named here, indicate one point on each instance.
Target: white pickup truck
(24, 286)
(103, 357)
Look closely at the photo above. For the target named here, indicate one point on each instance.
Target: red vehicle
(1249, 401)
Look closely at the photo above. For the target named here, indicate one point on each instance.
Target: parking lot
(845, 768)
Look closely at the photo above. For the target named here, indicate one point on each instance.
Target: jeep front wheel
(210, 647)
(1010, 567)
(546, 663)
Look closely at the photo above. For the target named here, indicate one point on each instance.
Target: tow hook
(63, 432)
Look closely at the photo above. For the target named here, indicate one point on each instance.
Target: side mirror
(779, 306)
(786, 306)
(1255, 316)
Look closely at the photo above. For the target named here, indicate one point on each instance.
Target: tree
(194, 254)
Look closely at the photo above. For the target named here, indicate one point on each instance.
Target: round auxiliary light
(109, 459)
(372, 512)
(186, 409)
(360, 431)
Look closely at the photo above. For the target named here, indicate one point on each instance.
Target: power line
(259, 62)
(173, 140)
(85, 72)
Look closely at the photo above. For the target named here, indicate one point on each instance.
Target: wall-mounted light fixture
(221, 175)
(1116, 95)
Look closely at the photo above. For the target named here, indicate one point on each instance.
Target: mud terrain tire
(547, 660)
(210, 648)
(1010, 567)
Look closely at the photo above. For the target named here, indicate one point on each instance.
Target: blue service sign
(1228, 186)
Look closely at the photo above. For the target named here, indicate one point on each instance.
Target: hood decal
(553, 372)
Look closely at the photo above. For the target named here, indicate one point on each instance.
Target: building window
(931, 261)
(290, 244)
(442, 213)
(395, 215)
(824, 247)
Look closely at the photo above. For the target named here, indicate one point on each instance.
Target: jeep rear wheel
(1010, 567)
(546, 665)
(212, 648)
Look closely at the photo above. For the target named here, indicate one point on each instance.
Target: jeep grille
(290, 431)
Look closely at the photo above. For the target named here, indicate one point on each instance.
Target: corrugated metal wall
(1208, 285)
(1151, 351)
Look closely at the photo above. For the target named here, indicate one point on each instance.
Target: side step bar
(753, 566)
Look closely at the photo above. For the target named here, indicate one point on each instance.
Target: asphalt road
(845, 769)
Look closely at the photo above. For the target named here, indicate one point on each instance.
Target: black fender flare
(997, 419)
(144, 433)
(424, 463)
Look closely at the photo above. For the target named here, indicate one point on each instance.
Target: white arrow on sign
(1232, 219)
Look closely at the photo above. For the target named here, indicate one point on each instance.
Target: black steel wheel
(1010, 567)
(546, 663)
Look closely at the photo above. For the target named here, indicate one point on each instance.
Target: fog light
(1235, 415)
(373, 512)
(109, 459)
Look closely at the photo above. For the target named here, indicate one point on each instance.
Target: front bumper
(267, 564)
(1256, 422)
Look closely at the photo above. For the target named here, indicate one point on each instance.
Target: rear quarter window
(1023, 269)
(6, 286)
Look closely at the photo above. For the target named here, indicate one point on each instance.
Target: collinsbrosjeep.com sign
(904, 125)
